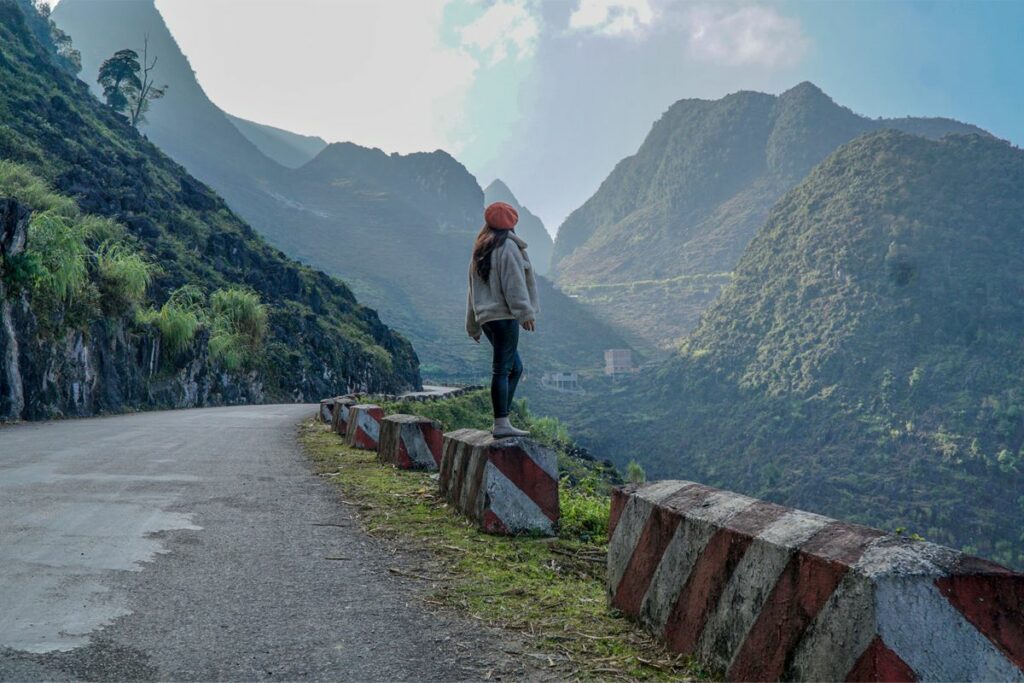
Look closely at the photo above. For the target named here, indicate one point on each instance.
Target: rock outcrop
(108, 367)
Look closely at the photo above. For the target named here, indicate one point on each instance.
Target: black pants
(506, 367)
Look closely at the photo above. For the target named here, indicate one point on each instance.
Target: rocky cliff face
(103, 369)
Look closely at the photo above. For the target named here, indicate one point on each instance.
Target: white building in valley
(618, 362)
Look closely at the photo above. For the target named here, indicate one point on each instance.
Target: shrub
(549, 430)
(17, 182)
(99, 230)
(58, 242)
(240, 310)
(21, 272)
(635, 473)
(229, 350)
(585, 510)
(178, 319)
(125, 274)
(239, 325)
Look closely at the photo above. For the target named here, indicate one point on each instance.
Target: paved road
(185, 545)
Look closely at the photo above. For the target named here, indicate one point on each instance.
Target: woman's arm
(513, 284)
(472, 326)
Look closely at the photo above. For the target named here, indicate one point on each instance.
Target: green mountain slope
(530, 227)
(286, 148)
(691, 198)
(397, 228)
(320, 339)
(866, 362)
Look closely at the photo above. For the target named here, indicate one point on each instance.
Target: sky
(549, 95)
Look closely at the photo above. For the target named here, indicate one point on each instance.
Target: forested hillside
(655, 244)
(77, 165)
(866, 362)
(397, 228)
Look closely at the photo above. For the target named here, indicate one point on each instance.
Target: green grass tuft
(124, 272)
(178, 320)
(59, 243)
(239, 325)
(18, 182)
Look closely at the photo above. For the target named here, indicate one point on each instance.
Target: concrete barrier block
(410, 442)
(326, 410)
(363, 430)
(340, 414)
(765, 592)
(506, 486)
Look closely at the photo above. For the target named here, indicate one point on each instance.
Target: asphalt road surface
(190, 545)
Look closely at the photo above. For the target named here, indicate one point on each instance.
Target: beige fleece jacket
(509, 294)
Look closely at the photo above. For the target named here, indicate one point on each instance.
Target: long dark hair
(487, 240)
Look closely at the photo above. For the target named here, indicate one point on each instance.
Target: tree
(128, 84)
(119, 77)
(149, 91)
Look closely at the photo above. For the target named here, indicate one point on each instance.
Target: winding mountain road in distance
(193, 545)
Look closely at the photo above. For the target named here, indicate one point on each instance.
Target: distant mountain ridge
(866, 360)
(690, 200)
(286, 148)
(435, 184)
(530, 228)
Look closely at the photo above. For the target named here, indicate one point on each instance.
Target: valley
(822, 307)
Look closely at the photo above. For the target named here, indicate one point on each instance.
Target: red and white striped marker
(506, 486)
(410, 442)
(363, 429)
(326, 410)
(765, 592)
(340, 414)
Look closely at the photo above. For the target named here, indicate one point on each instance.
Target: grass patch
(550, 591)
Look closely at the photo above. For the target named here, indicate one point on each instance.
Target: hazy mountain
(409, 223)
(866, 362)
(286, 148)
(655, 243)
(185, 124)
(320, 340)
(397, 228)
(530, 227)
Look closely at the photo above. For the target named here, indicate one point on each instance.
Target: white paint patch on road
(66, 521)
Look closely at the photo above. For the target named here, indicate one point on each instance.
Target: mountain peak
(498, 191)
(804, 90)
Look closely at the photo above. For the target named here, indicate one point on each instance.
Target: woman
(502, 297)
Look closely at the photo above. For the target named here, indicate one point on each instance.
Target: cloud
(747, 36)
(612, 17)
(508, 29)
